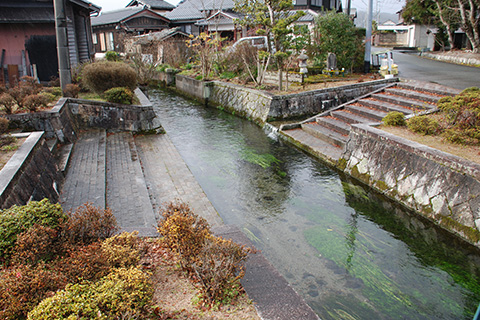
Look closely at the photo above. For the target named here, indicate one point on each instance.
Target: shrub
(7, 102)
(124, 292)
(83, 263)
(54, 82)
(72, 90)
(462, 114)
(423, 124)
(18, 219)
(119, 95)
(112, 56)
(3, 125)
(394, 119)
(49, 97)
(38, 243)
(56, 91)
(122, 250)
(183, 231)
(89, 224)
(220, 266)
(22, 287)
(104, 75)
(34, 101)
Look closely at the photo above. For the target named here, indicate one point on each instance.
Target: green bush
(104, 75)
(18, 219)
(119, 95)
(462, 114)
(123, 293)
(56, 91)
(122, 250)
(49, 97)
(423, 124)
(112, 56)
(394, 118)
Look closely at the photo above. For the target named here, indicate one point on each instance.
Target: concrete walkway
(133, 177)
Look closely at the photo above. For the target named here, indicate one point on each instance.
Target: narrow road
(412, 66)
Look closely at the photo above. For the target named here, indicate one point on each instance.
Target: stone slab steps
(366, 112)
(334, 127)
(334, 124)
(325, 134)
(403, 101)
(350, 118)
(429, 97)
(385, 106)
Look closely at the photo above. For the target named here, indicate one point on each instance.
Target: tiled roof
(116, 16)
(158, 36)
(153, 4)
(192, 9)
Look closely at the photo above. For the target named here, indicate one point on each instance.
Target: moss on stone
(364, 177)
(342, 164)
(381, 185)
(470, 233)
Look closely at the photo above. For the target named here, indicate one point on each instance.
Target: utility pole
(62, 44)
(368, 38)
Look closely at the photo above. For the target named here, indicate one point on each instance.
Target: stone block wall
(441, 187)
(31, 174)
(262, 107)
(316, 101)
(56, 122)
(69, 115)
(246, 102)
(112, 116)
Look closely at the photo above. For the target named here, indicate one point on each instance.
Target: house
(153, 46)
(158, 6)
(111, 28)
(195, 16)
(28, 41)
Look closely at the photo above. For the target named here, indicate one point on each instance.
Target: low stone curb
(273, 297)
(452, 59)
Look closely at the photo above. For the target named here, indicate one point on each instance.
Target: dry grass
(175, 295)
(471, 153)
(7, 153)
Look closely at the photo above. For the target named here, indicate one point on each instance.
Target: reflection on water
(347, 251)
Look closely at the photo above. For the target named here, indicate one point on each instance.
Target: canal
(350, 253)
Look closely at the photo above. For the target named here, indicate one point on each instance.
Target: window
(102, 42)
(188, 29)
(94, 38)
(109, 40)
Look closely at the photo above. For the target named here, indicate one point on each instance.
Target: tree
(448, 14)
(272, 18)
(437, 12)
(336, 33)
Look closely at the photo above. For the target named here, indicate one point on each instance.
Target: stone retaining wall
(442, 187)
(69, 115)
(31, 173)
(262, 107)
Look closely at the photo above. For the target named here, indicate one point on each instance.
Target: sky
(390, 6)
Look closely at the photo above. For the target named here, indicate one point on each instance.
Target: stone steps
(334, 127)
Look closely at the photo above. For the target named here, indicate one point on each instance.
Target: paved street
(412, 66)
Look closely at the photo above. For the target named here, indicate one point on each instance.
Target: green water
(347, 251)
